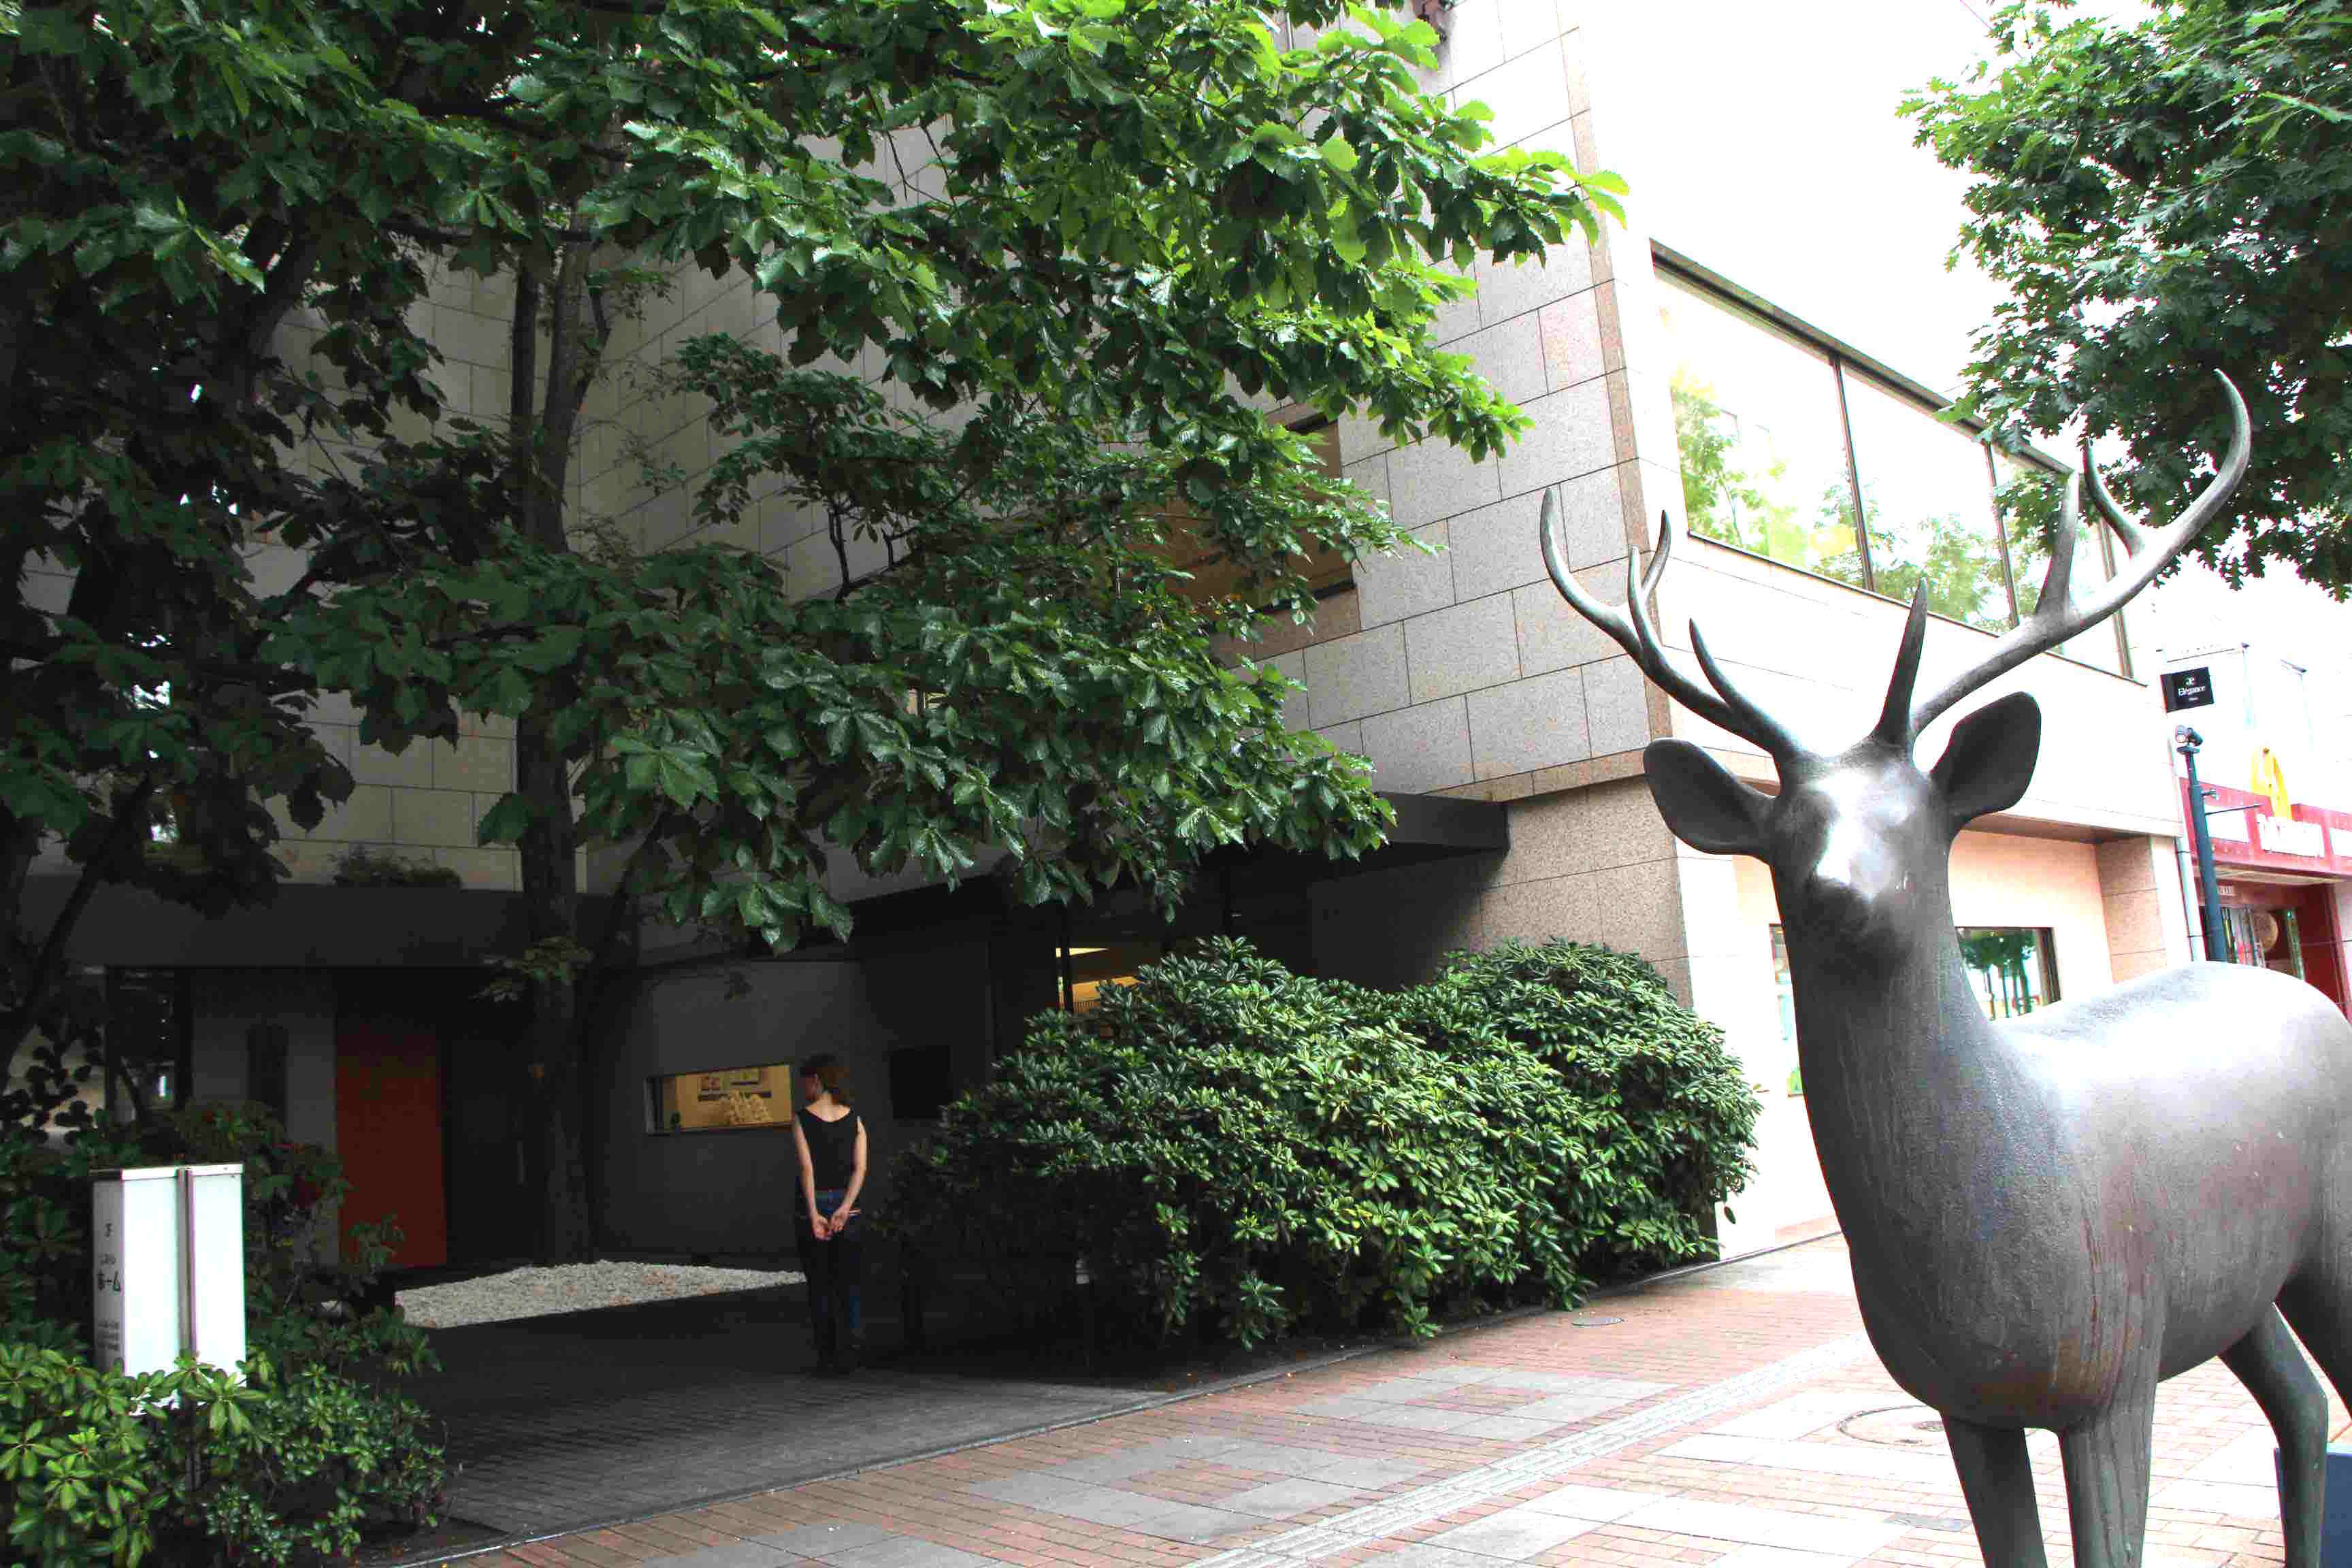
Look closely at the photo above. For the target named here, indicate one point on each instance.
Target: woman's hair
(826, 1068)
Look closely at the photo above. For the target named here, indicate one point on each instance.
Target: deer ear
(1703, 806)
(1989, 760)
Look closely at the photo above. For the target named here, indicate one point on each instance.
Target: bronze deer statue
(2047, 1215)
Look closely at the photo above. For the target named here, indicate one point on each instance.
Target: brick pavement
(1734, 1417)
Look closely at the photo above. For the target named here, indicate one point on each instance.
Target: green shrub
(1664, 1113)
(80, 1466)
(318, 1458)
(1231, 1147)
(194, 1465)
(289, 1460)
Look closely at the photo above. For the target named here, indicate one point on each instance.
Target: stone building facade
(1460, 675)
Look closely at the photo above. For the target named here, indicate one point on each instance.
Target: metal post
(2185, 868)
(2187, 741)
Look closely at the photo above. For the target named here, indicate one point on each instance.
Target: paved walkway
(575, 1419)
(1732, 1418)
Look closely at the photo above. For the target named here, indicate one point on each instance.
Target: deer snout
(1852, 887)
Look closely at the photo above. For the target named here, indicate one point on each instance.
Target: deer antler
(2054, 619)
(1629, 626)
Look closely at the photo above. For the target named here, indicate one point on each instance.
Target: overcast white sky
(1763, 141)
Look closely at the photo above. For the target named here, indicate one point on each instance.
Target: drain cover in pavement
(1592, 1322)
(1897, 1427)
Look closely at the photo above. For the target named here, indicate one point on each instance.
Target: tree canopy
(2164, 198)
(1086, 244)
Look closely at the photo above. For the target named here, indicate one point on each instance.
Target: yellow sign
(2269, 782)
(724, 1097)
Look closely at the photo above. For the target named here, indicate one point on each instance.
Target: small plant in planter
(362, 866)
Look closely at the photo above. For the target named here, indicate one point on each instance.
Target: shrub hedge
(293, 1458)
(1234, 1148)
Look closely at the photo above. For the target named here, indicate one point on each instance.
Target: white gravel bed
(572, 1288)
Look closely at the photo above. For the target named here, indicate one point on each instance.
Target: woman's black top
(832, 1147)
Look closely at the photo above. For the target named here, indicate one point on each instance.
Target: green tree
(1135, 245)
(2162, 199)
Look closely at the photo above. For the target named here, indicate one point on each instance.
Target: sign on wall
(169, 1276)
(2247, 831)
(2187, 689)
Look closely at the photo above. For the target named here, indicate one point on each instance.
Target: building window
(2012, 969)
(1928, 508)
(1784, 441)
(1086, 971)
(1762, 441)
(2030, 498)
(721, 1099)
(1784, 989)
(921, 1082)
(1215, 576)
(148, 1032)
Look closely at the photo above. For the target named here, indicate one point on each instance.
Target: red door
(388, 1133)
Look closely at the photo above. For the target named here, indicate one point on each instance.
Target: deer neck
(1890, 1042)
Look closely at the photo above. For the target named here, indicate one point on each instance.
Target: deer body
(2046, 1216)
(2068, 1249)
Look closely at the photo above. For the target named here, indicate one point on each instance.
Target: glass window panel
(2012, 969)
(1762, 445)
(722, 1099)
(1928, 503)
(2031, 500)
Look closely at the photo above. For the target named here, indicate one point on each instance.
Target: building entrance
(2288, 927)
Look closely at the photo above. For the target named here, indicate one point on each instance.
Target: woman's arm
(808, 1181)
(857, 1176)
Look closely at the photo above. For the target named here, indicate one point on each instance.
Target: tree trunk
(553, 1087)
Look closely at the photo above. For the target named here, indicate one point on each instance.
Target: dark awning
(307, 925)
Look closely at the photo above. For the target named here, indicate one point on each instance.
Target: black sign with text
(2187, 689)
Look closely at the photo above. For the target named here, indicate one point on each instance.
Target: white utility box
(170, 1277)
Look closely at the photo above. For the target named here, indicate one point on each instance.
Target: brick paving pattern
(1734, 1417)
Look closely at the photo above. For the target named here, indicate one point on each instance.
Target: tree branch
(280, 293)
(43, 974)
(522, 337)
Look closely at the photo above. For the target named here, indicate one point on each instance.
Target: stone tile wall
(422, 803)
(1463, 673)
(2139, 883)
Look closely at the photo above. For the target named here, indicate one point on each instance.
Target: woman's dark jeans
(836, 1269)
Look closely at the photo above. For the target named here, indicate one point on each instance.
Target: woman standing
(830, 1141)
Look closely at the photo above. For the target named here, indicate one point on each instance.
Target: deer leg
(2107, 1458)
(2274, 1371)
(1998, 1482)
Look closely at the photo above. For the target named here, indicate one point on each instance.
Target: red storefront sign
(2314, 841)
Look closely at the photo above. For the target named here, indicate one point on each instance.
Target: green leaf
(505, 822)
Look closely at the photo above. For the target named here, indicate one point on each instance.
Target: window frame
(1678, 271)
